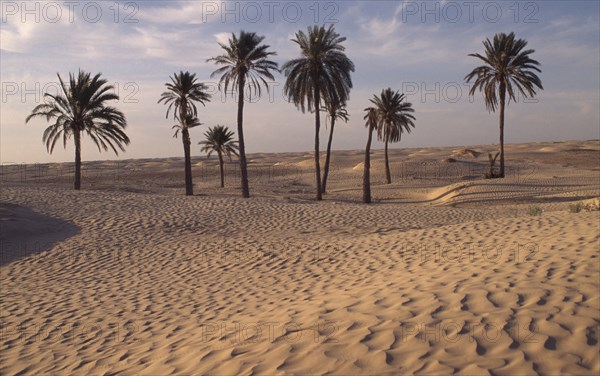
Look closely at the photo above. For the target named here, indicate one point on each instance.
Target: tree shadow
(25, 233)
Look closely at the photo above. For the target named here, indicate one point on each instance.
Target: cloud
(222, 38)
(19, 36)
(379, 28)
(171, 36)
(183, 12)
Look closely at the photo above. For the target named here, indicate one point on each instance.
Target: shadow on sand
(24, 232)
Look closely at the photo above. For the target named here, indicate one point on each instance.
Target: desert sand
(445, 272)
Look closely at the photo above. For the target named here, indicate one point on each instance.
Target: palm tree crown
(219, 139)
(182, 94)
(323, 63)
(81, 108)
(190, 121)
(507, 66)
(245, 59)
(394, 115)
(336, 110)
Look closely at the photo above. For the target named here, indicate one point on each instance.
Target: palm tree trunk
(367, 170)
(77, 160)
(328, 156)
(317, 129)
(388, 175)
(241, 144)
(502, 102)
(222, 172)
(189, 185)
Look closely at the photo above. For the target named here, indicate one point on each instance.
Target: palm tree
(335, 110)
(182, 94)
(246, 61)
(219, 139)
(372, 124)
(81, 109)
(395, 117)
(507, 66)
(322, 71)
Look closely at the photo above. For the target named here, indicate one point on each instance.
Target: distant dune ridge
(446, 273)
(466, 152)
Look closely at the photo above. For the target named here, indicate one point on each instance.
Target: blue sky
(418, 47)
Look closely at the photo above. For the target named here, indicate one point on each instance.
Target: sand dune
(466, 153)
(446, 273)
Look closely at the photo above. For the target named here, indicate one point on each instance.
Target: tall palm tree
(245, 62)
(371, 122)
(395, 117)
(335, 110)
(507, 67)
(219, 139)
(322, 71)
(81, 109)
(182, 94)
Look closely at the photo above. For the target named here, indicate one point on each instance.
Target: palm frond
(322, 65)
(82, 108)
(221, 140)
(183, 92)
(508, 68)
(394, 115)
(245, 59)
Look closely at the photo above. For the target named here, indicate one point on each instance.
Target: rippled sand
(446, 272)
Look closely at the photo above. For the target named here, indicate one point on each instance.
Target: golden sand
(445, 273)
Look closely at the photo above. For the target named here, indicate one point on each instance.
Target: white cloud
(222, 38)
(170, 36)
(381, 28)
(183, 12)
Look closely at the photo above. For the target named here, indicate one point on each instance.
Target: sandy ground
(445, 273)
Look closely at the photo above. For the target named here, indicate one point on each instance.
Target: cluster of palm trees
(317, 81)
(320, 75)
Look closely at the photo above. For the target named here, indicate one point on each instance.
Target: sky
(417, 47)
